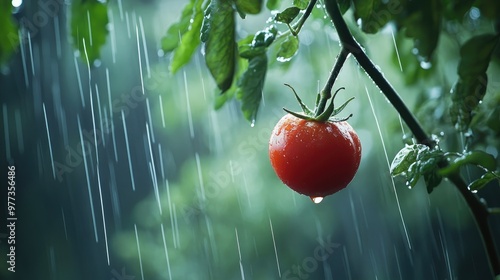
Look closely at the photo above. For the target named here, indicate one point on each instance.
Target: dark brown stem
(478, 209)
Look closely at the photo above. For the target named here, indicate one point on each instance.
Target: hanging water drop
(316, 199)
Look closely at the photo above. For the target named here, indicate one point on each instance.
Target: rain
(125, 170)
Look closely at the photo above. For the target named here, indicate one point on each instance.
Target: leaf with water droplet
(89, 27)
(248, 6)
(404, 158)
(414, 161)
(264, 38)
(472, 84)
(288, 48)
(484, 180)
(368, 13)
(250, 86)
(189, 41)
(478, 158)
(287, 16)
(218, 33)
(301, 4)
(171, 40)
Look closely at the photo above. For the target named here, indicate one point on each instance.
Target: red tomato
(314, 158)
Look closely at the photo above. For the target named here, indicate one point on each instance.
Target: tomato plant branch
(295, 29)
(480, 212)
(478, 209)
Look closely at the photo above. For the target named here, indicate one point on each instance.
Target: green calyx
(327, 115)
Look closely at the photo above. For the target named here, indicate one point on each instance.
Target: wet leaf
(476, 54)
(221, 99)
(89, 20)
(373, 14)
(471, 87)
(9, 38)
(432, 180)
(414, 161)
(250, 86)
(218, 34)
(466, 95)
(189, 41)
(288, 15)
(422, 21)
(301, 4)
(478, 158)
(171, 40)
(249, 6)
(257, 44)
(484, 180)
(288, 48)
(404, 158)
(265, 37)
(273, 4)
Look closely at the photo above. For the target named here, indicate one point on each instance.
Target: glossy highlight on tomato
(314, 158)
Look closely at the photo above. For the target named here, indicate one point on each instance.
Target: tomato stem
(349, 44)
(326, 92)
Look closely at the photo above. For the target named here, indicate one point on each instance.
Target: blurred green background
(202, 201)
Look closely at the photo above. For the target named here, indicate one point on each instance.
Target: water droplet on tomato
(316, 199)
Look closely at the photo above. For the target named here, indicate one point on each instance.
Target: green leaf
(189, 41)
(432, 180)
(414, 161)
(423, 23)
(249, 6)
(89, 20)
(404, 158)
(471, 87)
(476, 55)
(256, 45)
(273, 4)
(171, 40)
(221, 99)
(288, 15)
(9, 37)
(478, 158)
(466, 95)
(483, 181)
(373, 14)
(288, 48)
(251, 85)
(218, 34)
(265, 37)
(301, 4)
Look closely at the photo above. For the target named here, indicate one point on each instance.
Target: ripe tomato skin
(314, 158)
